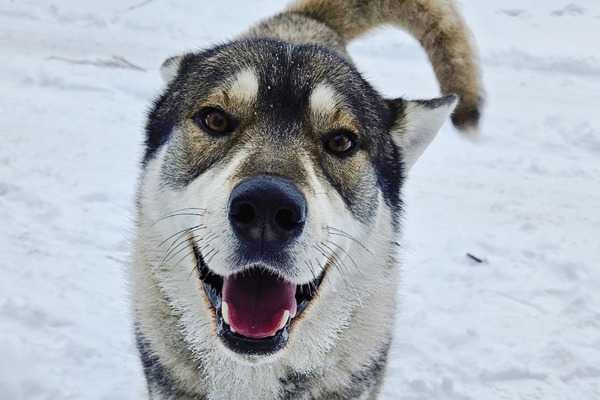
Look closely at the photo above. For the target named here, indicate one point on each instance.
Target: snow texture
(77, 78)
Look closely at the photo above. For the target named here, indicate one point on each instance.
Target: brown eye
(340, 143)
(214, 121)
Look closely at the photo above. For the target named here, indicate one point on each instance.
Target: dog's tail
(436, 24)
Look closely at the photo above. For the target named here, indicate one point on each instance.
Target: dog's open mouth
(255, 308)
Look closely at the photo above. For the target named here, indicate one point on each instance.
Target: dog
(269, 205)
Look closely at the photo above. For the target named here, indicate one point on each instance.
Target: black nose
(267, 210)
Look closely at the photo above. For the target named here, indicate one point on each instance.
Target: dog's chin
(256, 309)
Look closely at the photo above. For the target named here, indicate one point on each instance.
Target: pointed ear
(417, 122)
(169, 68)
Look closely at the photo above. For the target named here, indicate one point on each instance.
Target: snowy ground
(76, 79)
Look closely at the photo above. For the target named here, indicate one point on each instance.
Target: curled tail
(436, 24)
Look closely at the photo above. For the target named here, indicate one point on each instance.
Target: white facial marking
(323, 99)
(244, 86)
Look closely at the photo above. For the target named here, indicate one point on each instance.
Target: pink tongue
(257, 302)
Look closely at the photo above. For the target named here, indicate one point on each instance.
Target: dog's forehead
(276, 76)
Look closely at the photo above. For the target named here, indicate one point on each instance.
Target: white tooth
(284, 319)
(225, 312)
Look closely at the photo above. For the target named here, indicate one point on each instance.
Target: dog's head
(272, 183)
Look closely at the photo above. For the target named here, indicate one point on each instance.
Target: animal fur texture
(282, 116)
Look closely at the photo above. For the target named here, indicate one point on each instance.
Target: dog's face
(273, 174)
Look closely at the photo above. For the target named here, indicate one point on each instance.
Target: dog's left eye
(214, 121)
(340, 143)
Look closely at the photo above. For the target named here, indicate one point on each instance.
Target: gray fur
(290, 83)
(299, 29)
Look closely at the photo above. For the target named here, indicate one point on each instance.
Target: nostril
(243, 213)
(287, 219)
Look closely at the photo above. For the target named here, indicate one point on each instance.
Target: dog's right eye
(340, 143)
(214, 121)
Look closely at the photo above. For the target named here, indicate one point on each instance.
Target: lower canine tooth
(284, 319)
(225, 312)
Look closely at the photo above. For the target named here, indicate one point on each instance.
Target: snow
(77, 78)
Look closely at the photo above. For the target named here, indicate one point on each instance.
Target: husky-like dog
(269, 206)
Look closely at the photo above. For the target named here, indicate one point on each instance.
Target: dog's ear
(169, 68)
(417, 122)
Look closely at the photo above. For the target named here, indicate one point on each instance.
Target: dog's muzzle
(256, 305)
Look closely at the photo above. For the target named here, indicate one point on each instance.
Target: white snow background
(76, 79)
